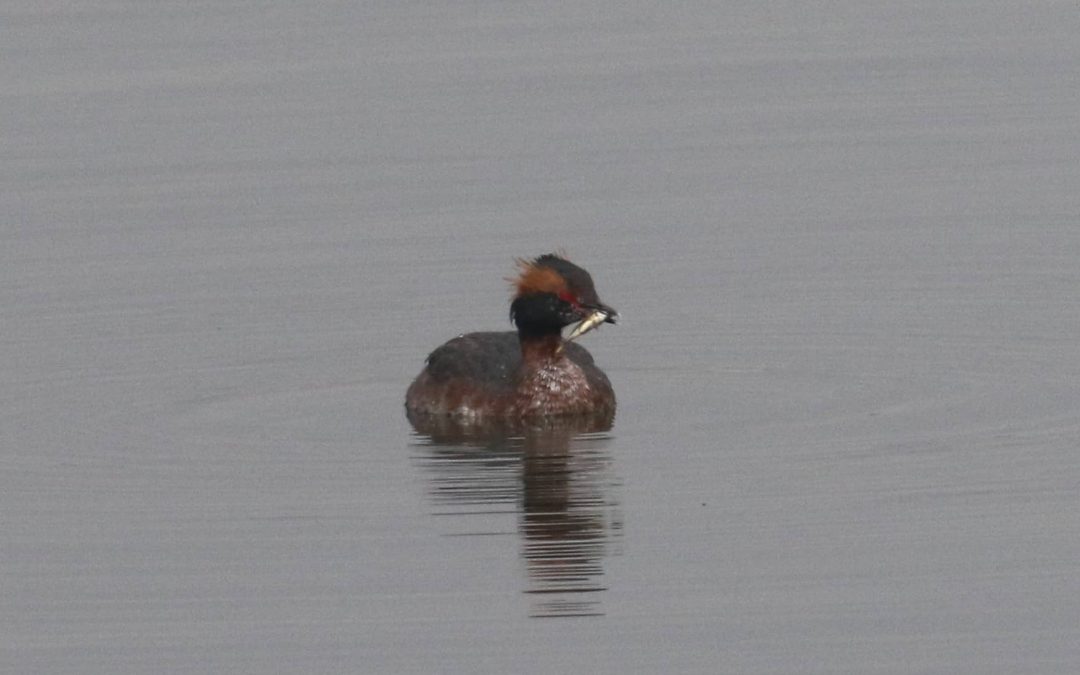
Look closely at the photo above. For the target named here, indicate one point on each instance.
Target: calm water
(844, 240)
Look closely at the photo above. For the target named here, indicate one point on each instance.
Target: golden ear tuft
(537, 279)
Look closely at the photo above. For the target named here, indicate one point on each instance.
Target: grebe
(533, 373)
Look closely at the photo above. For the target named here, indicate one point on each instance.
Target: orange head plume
(535, 278)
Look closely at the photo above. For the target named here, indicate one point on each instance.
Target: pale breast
(556, 388)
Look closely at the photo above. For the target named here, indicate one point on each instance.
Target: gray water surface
(843, 238)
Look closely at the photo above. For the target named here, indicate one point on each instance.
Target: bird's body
(528, 374)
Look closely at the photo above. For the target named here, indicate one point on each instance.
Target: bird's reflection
(555, 477)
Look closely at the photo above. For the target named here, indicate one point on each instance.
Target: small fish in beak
(590, 322)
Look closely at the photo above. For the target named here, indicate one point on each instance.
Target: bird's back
(477, 372)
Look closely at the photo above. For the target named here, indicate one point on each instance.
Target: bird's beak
(599, 315)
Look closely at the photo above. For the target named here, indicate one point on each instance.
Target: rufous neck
(541, 348)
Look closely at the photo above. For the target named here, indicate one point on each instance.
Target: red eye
(567, 296)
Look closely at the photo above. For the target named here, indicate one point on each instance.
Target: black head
(551, 293)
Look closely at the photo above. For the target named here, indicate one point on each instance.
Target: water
(842, 239)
